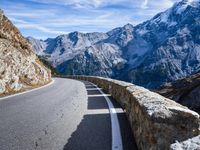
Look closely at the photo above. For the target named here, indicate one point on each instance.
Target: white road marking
(99, 95)
(93, 89)
(35, 89)
(103, 111)
(116, 133)
(97, 111)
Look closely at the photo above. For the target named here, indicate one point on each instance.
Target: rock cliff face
(162, 49)
(185, 91)
(19, 67)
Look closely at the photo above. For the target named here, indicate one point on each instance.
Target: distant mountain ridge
(162, 49)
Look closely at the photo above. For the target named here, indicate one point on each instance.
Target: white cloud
(53, 17)
(144, 4)
(28, 25)
(85, 3)
(161, 5)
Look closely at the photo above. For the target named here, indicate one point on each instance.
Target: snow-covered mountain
(174, 38)
(65, 47)
(85, 53)
(162, 49)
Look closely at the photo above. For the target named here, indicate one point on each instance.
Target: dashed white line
(99, 95)
(92, 89)
(97, 111)
(116, 133)
(103, 111)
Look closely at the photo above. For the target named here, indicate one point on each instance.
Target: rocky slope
(185, 91)
(87, 53)
(174, 40)
(20, 68)
(162, 49)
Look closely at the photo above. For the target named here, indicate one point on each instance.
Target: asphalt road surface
(66, 115)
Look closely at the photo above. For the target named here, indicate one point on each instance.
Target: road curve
(66, 115)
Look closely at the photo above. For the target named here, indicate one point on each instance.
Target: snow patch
(173, 23)
(186, 3)
(184, 30)
(142, 31)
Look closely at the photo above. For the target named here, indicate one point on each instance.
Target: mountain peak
(183, 5)
(75, 33)
(186, 3)
(128, 26)
(190, 2)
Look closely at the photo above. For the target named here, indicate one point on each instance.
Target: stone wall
(156, 122)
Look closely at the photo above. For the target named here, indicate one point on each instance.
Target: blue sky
(50, 18)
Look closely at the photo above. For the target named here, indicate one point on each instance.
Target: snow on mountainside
(79, 53)
(100, 59)
(65, 47)
(38, 45)
(175, 42)
(162, 49)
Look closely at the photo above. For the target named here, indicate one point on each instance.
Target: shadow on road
(94, 131)
(97, 103)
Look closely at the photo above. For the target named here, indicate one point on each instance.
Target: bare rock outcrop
(190, 144)
(20, 68)
(185, 91)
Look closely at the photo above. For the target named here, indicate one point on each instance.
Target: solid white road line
(97, 111)
(116, 133)
(99, 95)
(102, 111)
(35, 89)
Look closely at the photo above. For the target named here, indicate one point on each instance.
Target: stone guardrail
(156, 122)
